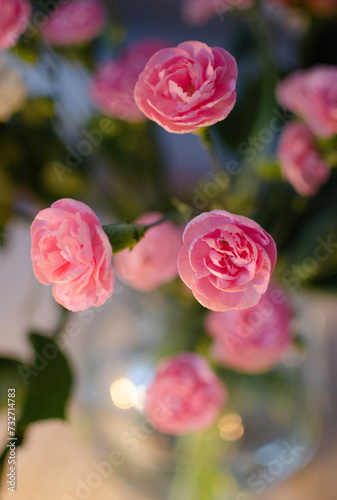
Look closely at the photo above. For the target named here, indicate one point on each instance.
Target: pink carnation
(113, 85)
(185, 396)
(153, 261)
(312, 94)
(300, 161)
(201, 11)
(71, 251)
(187, 87)
(75, 22)
(14, 19)
(226, 260)
(255, 339)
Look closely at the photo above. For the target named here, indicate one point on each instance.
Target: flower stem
(207, 141)
(196, 466)
(269, 73)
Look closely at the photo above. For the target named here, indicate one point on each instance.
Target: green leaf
(48, 380)
(123, 236)
(10, 378)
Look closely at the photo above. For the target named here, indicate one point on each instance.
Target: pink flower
(185, 396)
(300, 161)
(226, 260)
(113, 86)
(14, 19)
(201, 11)
(75, 22)
(153, 261)
(312, 94)
(255, 339)
(187, 87)
(71, 251)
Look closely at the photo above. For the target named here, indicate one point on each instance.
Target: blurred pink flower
(14, 19)
(71, 251)
(312, 94)
(226, 260)
(113, 85)
(201, 11)
(187, 87)
(300, 161)
(185, 395)
(255, 339)
(75, 22)
(153, 261)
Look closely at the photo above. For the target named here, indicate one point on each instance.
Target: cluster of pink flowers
(312, 95)
(225, 259)
(113, 85)
(235, 256)
(14, 19)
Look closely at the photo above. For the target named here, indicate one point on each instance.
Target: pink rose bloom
(252, 340)
(312, 94)
(200, 11)
(153, 261)
(300, 161)
(113, 85)
(185, 396)
(71, 251)
(187, 87)
(226, 260)
(75, 22)
(14, 19)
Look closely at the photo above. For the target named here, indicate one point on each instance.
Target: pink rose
(14, 19)
(153, 261)
(187, 87)
(113, 85)
(252, 340)
(185, 395)
(201, 11)
(312, 94)
(226, 260)
(71, 251)
(75, 22)
(300, 161)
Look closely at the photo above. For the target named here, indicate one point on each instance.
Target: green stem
(170, 216)
(207, 141)
(262, 35)
(196, 466)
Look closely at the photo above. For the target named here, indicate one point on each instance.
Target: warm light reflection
(124, 393)
(230, 427)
